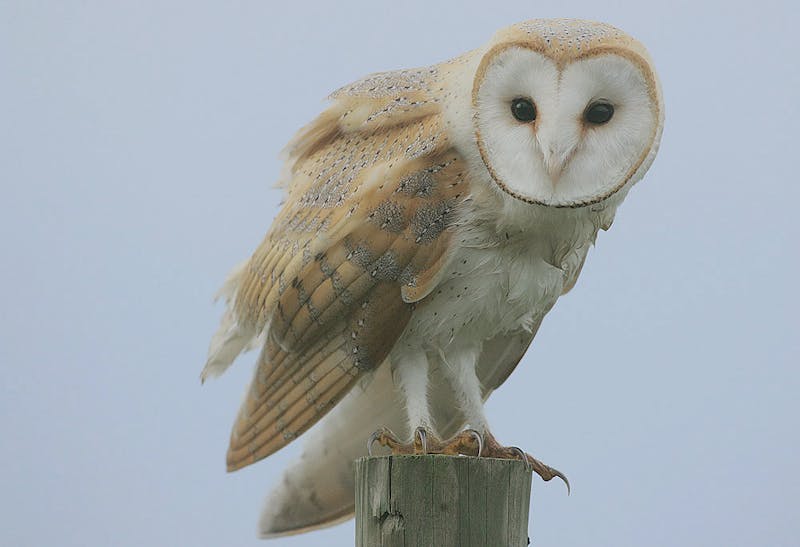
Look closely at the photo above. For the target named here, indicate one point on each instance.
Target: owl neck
(505, 213)
(494, 219)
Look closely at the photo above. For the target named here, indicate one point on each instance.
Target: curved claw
(423, 438)
(563, 477)
(547, 473)
(479, 438)
(522, 456)
(372, 438)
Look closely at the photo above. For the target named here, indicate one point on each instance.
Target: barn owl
(432, 217)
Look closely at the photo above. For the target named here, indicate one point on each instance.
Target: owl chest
(484, 292)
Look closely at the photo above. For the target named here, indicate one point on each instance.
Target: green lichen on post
(441, 501)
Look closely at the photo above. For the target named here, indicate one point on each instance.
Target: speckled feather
(358, 241)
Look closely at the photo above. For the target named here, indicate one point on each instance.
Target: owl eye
(523, 110)
(598, 113)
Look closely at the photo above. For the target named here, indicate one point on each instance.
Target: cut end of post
(441, 500)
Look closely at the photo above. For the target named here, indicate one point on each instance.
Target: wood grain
(441, 501)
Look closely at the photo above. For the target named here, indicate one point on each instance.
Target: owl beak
(557, 144)
(557, 149)
(554, 169)
(554, 163)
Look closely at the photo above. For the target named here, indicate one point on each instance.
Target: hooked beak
(553, 165)
(554, 162)
(556, 158)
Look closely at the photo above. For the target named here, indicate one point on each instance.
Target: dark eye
(523, 110)
(598, 113)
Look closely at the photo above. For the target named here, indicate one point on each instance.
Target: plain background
(138, 148)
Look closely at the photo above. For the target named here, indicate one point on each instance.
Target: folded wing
(373, 190)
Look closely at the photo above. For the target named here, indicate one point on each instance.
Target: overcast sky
(138, 149)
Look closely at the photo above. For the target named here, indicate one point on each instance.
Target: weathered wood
(441, 501)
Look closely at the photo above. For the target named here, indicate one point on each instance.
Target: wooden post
(441, 501)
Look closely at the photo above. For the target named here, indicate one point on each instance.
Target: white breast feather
(502, 281)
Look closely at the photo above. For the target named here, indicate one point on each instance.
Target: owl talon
(422, 435)
(547, 472)
(422, 443)
(522, 455)
(373, 438)
(385, 437)
(478, 439)
(495, 450)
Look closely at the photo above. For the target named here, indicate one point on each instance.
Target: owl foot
(493, 449)
(385, 437)
(468, 442)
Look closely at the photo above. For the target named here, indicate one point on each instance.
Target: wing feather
(373, 190)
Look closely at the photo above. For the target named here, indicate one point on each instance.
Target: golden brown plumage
(361, 237)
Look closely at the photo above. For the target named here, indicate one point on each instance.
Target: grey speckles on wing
(373, 188)
(431, 220)
(394, 84)
(389, 215)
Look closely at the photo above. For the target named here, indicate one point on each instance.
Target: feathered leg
(460, 369)
(410, 373)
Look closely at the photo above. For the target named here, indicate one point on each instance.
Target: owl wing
(373, 187)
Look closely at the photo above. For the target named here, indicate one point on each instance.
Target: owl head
(565, 113)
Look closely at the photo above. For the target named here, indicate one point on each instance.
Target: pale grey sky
(137, 155)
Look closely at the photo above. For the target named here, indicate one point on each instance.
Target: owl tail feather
(318, 490)
(230, 339)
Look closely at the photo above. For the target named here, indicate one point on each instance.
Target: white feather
(231, 339)
(317, 490)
